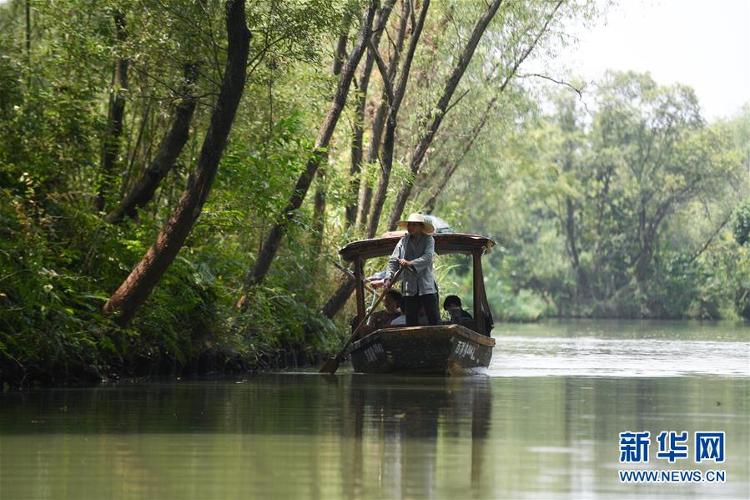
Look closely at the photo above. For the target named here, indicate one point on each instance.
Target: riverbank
(147, 362)
(229, 354)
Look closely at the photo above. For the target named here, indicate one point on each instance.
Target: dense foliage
(633, 206)
(628, 205)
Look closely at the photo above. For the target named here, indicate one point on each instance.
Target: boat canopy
(444, 243)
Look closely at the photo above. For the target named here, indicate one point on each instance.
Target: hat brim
(428, 228)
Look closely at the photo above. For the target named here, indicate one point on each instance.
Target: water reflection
(354, 436)
(284, 436)
(408, 422)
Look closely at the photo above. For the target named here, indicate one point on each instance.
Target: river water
(542, 422)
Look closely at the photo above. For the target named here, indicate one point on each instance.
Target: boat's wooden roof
(444, 243)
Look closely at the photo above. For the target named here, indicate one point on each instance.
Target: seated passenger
(392, 304)
(452, 304)
(401, 320)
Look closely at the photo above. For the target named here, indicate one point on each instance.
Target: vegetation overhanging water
(173, 191)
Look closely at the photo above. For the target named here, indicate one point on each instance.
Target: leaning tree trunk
(339, 55)
(339, 298)
(321, 188)
(450, 169)
(318, 225)
(111, 144)
(438, 113)
(356, 212)
(389, 141)
(169, 149)
(378, 123)
(358, 128)
(271, 245)
(345, 289)
(147, 273)
(28, 31)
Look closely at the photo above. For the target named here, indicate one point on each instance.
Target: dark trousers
(412, 305)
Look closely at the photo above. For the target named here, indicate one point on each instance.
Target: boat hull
(442, 349)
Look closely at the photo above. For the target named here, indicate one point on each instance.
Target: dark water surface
(542, 422)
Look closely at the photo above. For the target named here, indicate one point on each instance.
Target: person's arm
(424, 261)
(393, 265)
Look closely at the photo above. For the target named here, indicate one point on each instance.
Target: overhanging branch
(554, 80)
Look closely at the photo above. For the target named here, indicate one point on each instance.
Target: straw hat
(428, 227)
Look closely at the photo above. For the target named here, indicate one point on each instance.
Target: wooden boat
(451, 349)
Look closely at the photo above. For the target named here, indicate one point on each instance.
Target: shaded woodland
(176, 177)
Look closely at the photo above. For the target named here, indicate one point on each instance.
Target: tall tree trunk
(319, 206)
(350, 213)
(258, 272)
(648, 231)
(389, 141)
(571, 236)
(365, 189)
(321, 185)
(438, 113)
(358, 132)
(360, 209)
(450, 168)
(170, 148)
(388, 99)
(568, 126)
(132, 152)
(339, 55)
(345, 289)
(147, 273)
(111, 144)
(28, 31)
(339, 297)
(378, 122)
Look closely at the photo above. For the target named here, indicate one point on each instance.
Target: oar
(332, 364)
(352, 276)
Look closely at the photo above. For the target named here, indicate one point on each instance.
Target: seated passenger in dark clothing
(392, 303)
(452, 304)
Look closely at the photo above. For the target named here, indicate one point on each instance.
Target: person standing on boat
(414, 252)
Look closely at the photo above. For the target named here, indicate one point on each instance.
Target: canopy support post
(360, 289)
(478, 291)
